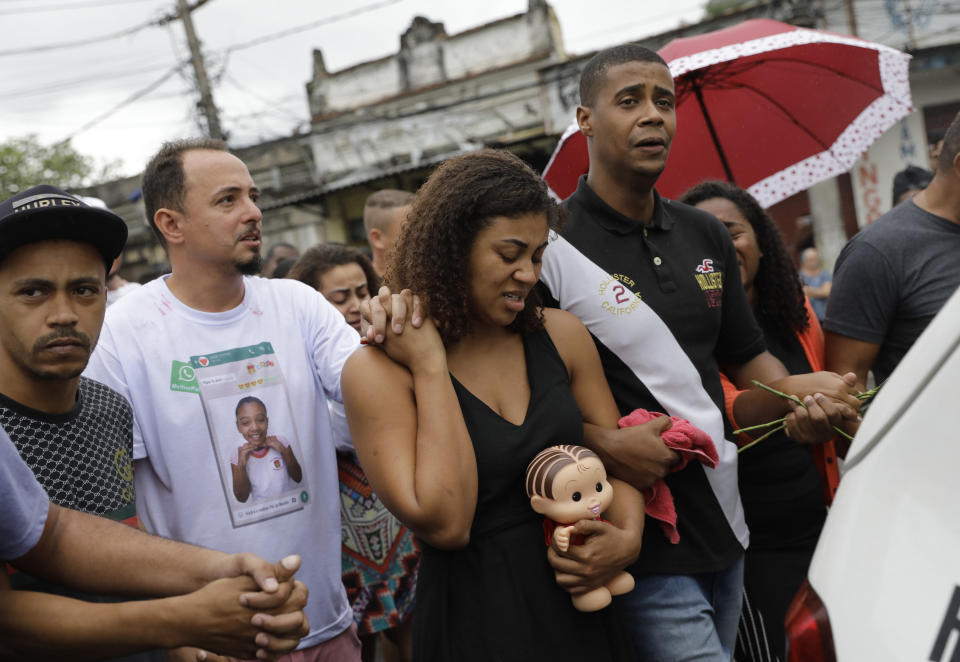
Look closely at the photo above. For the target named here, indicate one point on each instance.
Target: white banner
(902, 145)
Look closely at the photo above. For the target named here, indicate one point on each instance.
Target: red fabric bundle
(691, 443)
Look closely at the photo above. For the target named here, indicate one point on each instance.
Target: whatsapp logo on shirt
(183, 378)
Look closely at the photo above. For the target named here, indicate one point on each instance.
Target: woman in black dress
(445, 429)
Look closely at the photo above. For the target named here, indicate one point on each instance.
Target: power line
(164, 21)
(173, 17)
(301, 28)
(37, 9)
(170, 18)
(126, 102)
(310, 26)
(673, 13)
(270, 104)
(107, 37)
(75, 82)
(81, 42)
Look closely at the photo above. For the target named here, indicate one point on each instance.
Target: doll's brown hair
(547, 464)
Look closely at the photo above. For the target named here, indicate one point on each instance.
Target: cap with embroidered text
(46, 212)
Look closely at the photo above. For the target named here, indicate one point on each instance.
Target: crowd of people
(332, 458)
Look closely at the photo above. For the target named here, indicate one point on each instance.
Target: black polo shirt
(664, 303)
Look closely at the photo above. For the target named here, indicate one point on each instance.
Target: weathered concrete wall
(428, 57)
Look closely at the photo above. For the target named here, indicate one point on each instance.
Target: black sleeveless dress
(497, 600)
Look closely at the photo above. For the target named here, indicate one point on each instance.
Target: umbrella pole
(713, 132)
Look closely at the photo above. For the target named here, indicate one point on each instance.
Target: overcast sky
(138, 80)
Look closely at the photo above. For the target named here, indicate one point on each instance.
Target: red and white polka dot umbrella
(769, 106)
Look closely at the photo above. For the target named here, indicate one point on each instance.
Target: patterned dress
(380, 557)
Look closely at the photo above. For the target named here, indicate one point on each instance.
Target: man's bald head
(383, 214)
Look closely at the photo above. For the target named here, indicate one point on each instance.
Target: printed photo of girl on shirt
(263, 465)
(263, 469)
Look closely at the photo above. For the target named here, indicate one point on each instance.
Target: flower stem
(797, 400)
(792, 398)
(849, 438)
(760, 425)
(866, 395)
(762, 437)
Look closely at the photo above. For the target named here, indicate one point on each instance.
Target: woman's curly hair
(778, 292)
(460, 199)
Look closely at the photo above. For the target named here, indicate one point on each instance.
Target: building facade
(387, 123)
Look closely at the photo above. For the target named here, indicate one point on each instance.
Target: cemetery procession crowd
(345, 459)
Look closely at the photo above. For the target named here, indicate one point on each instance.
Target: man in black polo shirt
(657, 284)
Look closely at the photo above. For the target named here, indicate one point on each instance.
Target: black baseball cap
(45, 212)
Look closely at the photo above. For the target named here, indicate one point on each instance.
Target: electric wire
(226, 51)
(110, 36)
(126, 102)
(37, 9)
(80, 42)
(79, 82)
(309, 26)
(267, 102)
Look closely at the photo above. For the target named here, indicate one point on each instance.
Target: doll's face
(579, 494)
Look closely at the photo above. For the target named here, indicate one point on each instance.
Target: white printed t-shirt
(144, 352)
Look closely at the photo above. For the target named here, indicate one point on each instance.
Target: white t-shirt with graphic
(144, 353)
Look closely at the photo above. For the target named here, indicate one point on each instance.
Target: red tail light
(809, 638)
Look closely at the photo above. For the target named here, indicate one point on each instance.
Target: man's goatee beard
(252, 266)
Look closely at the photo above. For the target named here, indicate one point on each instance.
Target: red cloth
(691, 443)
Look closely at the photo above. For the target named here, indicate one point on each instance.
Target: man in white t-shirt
(184, 348)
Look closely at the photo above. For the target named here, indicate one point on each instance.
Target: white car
(884, 583)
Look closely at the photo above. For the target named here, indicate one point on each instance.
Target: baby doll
(568, 484)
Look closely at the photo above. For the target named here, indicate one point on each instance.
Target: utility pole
(203, 83)
(851, 17)
(912, 43)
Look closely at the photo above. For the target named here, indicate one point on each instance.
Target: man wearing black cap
(54, 254)
(75, 434)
